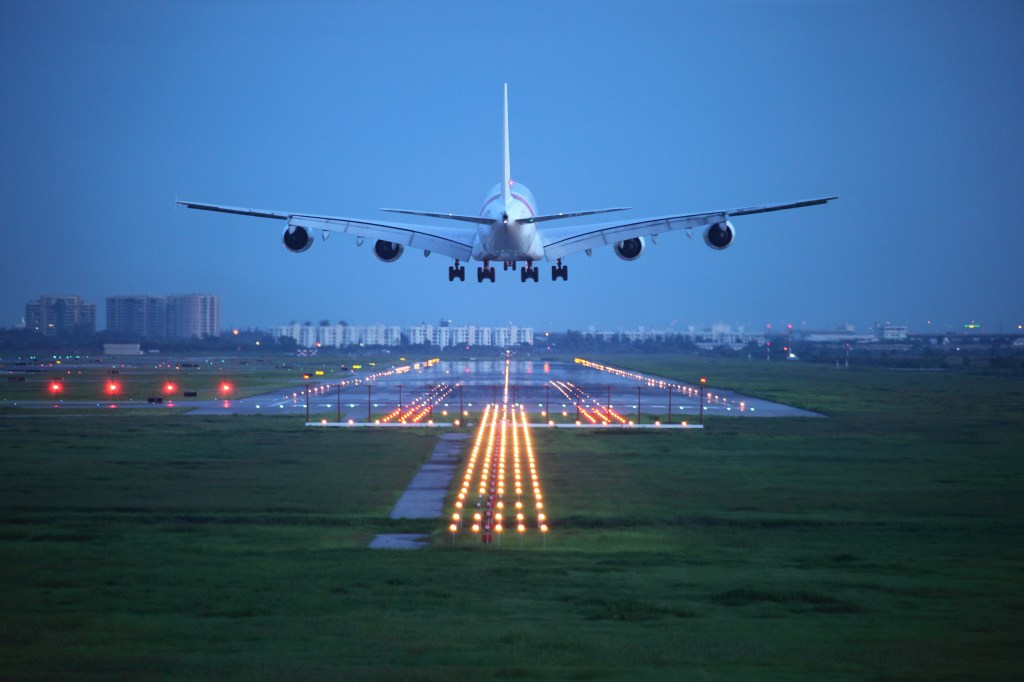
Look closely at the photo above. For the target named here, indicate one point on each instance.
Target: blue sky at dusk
(910, 111)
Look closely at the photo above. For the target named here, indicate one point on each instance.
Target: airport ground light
(501, 484)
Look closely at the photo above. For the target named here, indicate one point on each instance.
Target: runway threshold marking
(596, 411)
(500, 505)
(420, 406)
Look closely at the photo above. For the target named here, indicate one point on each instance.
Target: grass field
(883, 543)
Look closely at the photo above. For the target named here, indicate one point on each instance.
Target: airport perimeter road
(439, 392)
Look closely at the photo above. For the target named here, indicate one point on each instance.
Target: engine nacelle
(630, 249)
(387, 251)
(719, 235)
(297, 239)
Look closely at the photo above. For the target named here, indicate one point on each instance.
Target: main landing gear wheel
(485, 273)
(559, 271)
(457, 271)
(529, 273)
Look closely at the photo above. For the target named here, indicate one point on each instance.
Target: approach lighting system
(225, 388)
(56, 387)
(113, 387)
(170, 388)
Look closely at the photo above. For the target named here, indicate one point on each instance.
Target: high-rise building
(140, 316)
(193, 315)
(52, 315)
(155, 317)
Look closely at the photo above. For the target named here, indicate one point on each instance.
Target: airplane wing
(480, 220)
(449, 241)
(563, 241)
(576, 214)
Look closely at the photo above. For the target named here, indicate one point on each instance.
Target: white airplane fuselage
(506, 238)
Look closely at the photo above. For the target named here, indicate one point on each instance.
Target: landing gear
(529, 272)
(486, 272)
(457, 271)
(559, 270)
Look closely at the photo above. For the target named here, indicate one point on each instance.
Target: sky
(911, 112)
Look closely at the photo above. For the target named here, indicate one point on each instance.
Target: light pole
(670, 403)
(307, 403)
(369, 397)
(703, 380)
(339, 402)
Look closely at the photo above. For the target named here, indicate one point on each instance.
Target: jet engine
(387, 251)
(719, 235)
(630, 249)
(297, 239)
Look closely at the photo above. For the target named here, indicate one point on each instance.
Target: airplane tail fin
(506, 177)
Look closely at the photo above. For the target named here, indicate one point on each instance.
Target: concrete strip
(424, 498)
(400, 541)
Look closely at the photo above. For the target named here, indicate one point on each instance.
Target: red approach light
(113, 387)
(225, 387)
(56, 387)
(170, 388)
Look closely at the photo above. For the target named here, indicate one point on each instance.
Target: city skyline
(210, 324)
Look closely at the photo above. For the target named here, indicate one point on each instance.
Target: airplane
(508, 229)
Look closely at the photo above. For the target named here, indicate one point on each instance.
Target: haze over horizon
(909, 111)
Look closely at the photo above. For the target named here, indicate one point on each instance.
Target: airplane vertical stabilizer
(507, 174)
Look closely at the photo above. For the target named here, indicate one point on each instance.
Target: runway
(443, 391)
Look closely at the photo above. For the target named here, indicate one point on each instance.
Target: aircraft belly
(513, 243)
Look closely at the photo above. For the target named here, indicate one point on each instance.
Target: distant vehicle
(506, 230)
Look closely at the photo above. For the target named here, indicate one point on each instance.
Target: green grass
(883, 543)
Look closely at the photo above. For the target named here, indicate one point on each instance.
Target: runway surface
(542, 387)
(439, 392)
